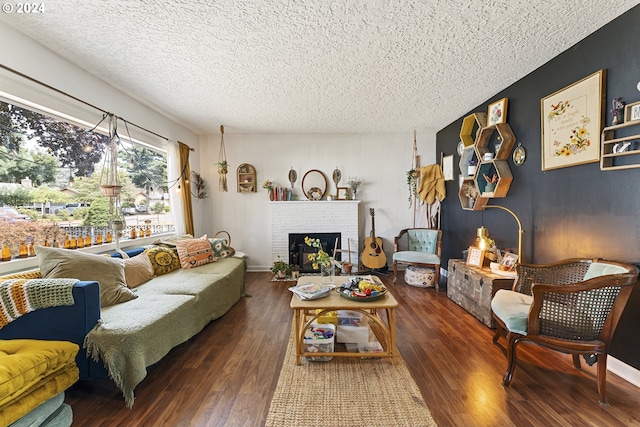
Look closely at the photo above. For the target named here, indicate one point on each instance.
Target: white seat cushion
(416, 257)
(513, 309)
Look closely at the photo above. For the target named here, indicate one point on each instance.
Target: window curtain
(186, 187)
(175, 173)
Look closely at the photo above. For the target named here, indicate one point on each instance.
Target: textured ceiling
(313, 66)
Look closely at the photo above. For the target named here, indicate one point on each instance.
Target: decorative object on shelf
(280, 268)
(354, 183)
(519, 155)
(497, 112)
(337, 176)
(246, 178)
(617, 151)
(268, 185)
(491, 182)
(343, 193)
(314, 184)
(222, 163)
(412, 182)
(632, 112)
(293, 176)
(200, 185)
(473, 164)
(617, 111)
(570, 128)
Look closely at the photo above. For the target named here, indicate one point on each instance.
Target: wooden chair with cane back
(572, 306)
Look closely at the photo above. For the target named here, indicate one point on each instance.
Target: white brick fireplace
(338, 216)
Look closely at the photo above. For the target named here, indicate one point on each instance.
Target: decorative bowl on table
(362, 289)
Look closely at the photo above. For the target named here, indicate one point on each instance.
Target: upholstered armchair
(572, 306)
(418, 246)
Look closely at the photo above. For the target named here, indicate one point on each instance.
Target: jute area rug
(346, 392)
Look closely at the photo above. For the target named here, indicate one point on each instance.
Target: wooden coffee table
(306, 312)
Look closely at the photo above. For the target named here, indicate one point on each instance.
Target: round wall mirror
(314, 184)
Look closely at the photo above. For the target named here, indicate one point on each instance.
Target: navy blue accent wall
(578, 211)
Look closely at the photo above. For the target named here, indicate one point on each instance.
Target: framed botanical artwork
(497, 112)
(475, 256)
(572, 120)
(343, 193)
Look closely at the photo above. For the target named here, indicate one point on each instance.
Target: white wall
(381, 160)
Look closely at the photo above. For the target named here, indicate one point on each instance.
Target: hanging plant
(412, 182)
(222, 163)
(200, 185)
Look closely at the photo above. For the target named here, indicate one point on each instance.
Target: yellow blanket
(431, 184)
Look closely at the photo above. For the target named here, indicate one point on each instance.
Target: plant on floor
(281, 268)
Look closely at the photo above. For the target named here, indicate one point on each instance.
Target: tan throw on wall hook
(222, 163)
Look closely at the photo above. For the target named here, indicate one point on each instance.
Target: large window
(50, 172)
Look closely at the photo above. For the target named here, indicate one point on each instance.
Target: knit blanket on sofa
(21, 296)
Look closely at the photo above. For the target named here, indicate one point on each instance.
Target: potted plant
(412, 182)
(280, 268)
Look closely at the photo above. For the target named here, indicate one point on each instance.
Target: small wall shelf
(471, 125)
(620, 148)
(246, 175)
(485, 143)
(503, 173)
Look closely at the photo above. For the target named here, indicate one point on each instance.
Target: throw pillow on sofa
(194, 252)
(221, 248)
(137, 270)
(108, 272)
(164, 260)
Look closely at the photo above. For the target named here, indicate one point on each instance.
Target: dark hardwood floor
(225, 376)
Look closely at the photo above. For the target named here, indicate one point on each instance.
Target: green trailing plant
(412, 182)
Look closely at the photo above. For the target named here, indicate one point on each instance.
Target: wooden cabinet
(246, 176)
(620, 148)
(473, 288)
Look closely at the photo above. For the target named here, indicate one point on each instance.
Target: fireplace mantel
(322, 216)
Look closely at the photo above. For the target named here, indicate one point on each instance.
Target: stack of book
(310, 291)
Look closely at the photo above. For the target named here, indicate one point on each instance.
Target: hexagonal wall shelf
(501, 169)
(469, 153)
(466, 201)
(504, 140)
(471, 125)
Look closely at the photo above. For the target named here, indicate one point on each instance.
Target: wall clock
(460, 148)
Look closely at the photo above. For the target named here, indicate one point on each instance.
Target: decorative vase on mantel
(271, 195)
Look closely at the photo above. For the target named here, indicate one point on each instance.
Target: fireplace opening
(299, 251)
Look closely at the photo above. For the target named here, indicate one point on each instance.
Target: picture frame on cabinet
(475, 257)
(497, 112)
(572, 120)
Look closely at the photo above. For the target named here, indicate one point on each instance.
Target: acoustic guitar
(373, 256)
